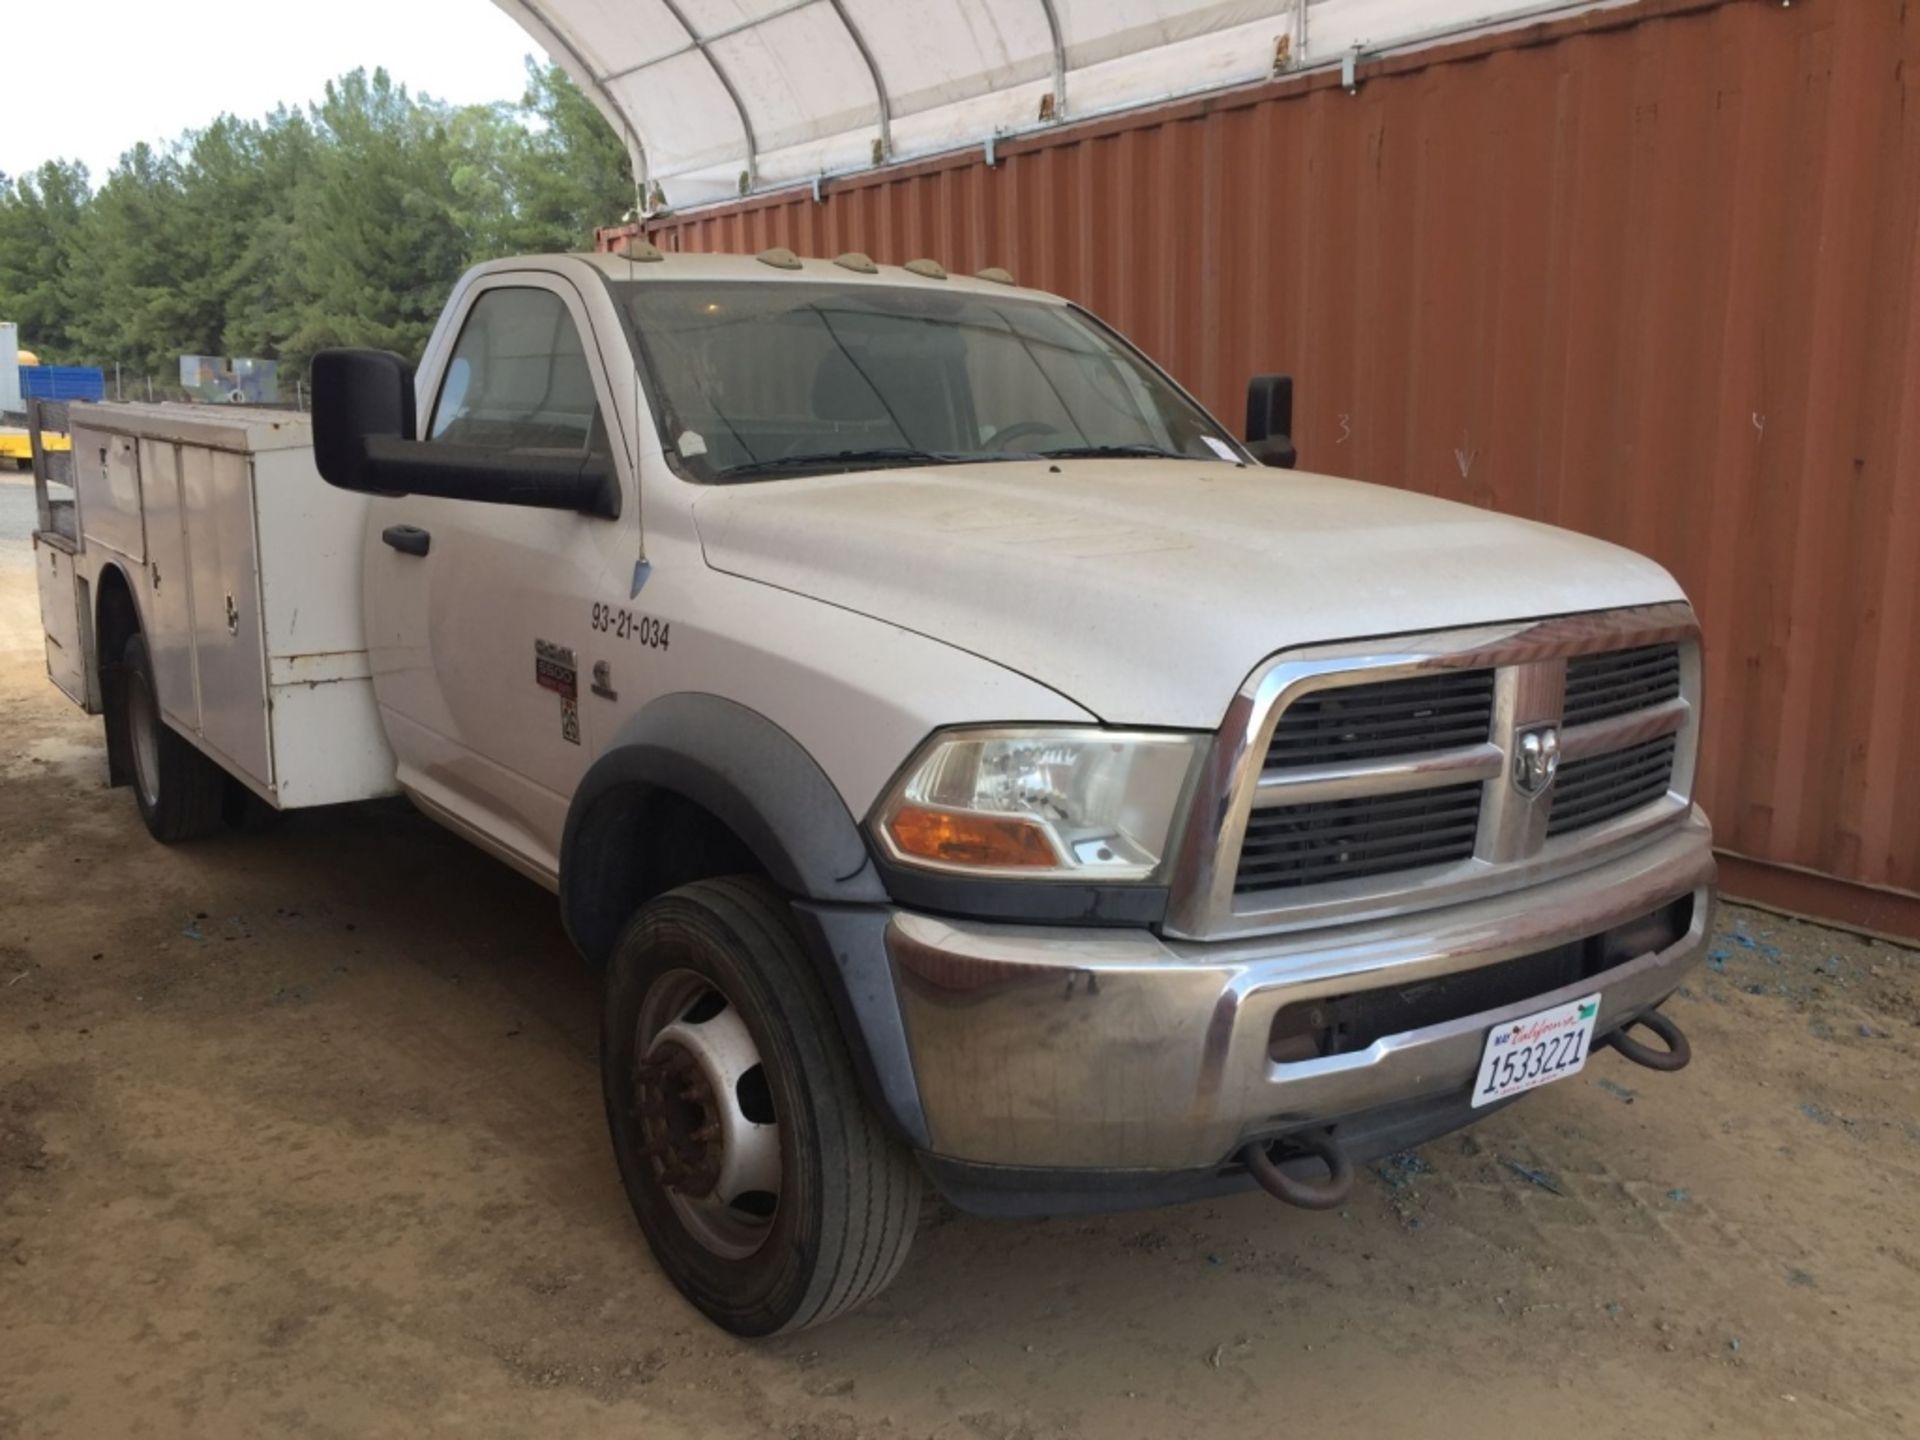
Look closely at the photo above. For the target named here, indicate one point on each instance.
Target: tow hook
(1674, 1057)
(1307, 1194)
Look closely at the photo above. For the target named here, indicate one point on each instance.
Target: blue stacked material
(62, 382)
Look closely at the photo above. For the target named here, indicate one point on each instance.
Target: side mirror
(363, 440)
(1270, 420)
(358, 395)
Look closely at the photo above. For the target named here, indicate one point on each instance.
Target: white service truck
(965, 758)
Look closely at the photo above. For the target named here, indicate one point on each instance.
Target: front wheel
(769, 1191)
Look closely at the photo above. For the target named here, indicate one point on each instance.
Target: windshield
(756, 380)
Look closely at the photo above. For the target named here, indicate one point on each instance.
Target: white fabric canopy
(718, 98)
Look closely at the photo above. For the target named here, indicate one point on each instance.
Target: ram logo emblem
(1536, 758)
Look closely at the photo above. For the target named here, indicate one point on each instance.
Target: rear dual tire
(181, 793)
(770, 1193)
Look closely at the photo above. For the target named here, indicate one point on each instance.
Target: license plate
(1535, 1050)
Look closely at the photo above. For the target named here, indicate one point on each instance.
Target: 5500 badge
(625, 625)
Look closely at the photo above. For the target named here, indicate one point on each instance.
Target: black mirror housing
(586, 483)
(1270, 420)
(364, 440)
(1275, 450)
(358, 396)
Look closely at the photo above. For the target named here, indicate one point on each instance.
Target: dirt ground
(300, 1135)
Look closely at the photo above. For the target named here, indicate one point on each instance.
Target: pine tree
(343, 224)
(136, 266)
(39, 214)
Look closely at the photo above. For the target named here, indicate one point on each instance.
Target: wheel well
(638, 841)
(117, 618)
(116, 621)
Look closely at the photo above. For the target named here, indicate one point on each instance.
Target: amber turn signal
(963, 838)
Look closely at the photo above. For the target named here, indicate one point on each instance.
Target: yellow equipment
(16, 447)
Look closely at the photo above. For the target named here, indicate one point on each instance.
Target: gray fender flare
(763, 785)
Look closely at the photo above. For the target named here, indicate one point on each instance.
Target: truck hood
(1146, 591)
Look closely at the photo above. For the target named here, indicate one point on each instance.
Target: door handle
(407, 539)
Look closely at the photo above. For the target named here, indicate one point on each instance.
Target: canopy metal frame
(800, 121)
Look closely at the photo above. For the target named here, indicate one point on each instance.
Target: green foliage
(133, 269)
(345, 223)
(571, 164)
(377, 235)
(39, 217)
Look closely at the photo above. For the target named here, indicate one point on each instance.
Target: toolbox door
(66, 614)
(63, 606)
(106, 473)
(164, 616)
(216, 490)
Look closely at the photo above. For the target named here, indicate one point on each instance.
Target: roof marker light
(931, 269)
(997, 275)
(857, 261)
(780, 258)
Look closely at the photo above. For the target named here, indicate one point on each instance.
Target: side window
(519, 380)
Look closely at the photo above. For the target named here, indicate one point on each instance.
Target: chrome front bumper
(1118, 1050)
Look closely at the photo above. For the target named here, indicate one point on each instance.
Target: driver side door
(477, 613)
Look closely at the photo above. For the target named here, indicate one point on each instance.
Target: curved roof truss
(719, 98)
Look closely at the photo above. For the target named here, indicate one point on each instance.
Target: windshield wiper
(1097, 452)
(829, 460)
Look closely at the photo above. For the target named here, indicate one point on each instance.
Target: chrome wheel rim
(143, 727)
(705, 1110)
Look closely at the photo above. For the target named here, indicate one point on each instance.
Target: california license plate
(1535, 1050)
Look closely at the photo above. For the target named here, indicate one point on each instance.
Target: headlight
(1041, 804)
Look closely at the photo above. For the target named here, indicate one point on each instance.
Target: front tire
(768, 1190)
(179, 790)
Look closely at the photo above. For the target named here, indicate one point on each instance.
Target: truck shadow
(438, 951)
(413, 893)
(452, 957)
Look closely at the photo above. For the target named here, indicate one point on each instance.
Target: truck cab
(969, 763)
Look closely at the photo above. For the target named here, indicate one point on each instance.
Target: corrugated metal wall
(1649, 273)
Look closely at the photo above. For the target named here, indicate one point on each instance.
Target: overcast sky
(85, 79)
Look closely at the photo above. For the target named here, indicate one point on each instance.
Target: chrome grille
(1619, 682)
(1385, 777)
(1317, 844)
(1604, 787)
(1423, 713)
